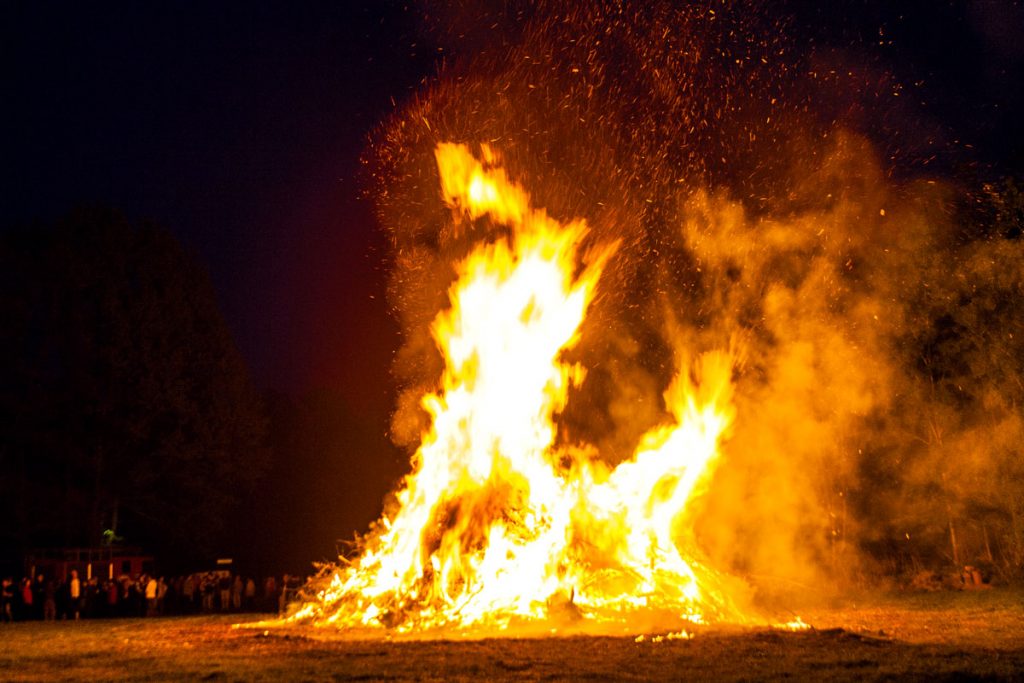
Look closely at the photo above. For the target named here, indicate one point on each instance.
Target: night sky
(239, 127)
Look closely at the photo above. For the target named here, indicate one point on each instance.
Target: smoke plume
(762, 207)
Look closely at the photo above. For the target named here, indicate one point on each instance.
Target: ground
(905, 637)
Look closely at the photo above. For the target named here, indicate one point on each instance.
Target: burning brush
(495, 525)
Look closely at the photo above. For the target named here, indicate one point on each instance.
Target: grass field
(943, 636)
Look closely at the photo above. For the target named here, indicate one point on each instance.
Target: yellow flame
(495, 524)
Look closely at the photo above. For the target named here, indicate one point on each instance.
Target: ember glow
(495, 525)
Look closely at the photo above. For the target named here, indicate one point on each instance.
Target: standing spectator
(27, 599)
(39, 595)
(282, 601)
(161, 595)
(176, 595)
(50, 600)
(225, 591)
(125, 601)
(250, 594)
(7, 599)
(62, 599)
(188, 594)
(237, 587)
(113, 590)
(90, 598)
(138, 588)
(209, 589)
(151, 596)
(74, 595)
(270, 594)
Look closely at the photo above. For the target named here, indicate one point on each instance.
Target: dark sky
(239, 128)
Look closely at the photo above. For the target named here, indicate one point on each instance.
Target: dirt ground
(946, 636)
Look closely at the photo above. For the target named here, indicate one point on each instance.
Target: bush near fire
(623, 227)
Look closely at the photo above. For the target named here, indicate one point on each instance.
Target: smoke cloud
(762, 206)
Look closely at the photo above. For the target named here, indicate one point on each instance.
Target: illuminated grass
(873, 637)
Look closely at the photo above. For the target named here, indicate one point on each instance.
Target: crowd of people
(75, 597)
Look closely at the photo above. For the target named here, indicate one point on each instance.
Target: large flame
(495, 524)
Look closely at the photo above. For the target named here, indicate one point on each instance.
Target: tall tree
(127, 407)
(963, 404)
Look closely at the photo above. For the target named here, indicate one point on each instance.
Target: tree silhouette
(127, 408)
(962, 477)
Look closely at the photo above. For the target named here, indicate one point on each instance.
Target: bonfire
(497, 527)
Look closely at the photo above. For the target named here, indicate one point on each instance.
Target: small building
(106, 562)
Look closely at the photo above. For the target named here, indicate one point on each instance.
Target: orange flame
(496, 525)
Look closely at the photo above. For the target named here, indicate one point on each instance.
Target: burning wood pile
(496, 524)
